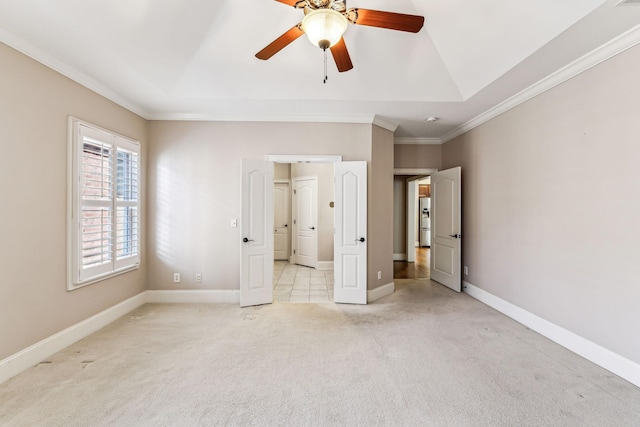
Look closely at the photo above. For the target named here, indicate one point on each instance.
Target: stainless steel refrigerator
(425, 221)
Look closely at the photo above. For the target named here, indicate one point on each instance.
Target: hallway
(413, 270)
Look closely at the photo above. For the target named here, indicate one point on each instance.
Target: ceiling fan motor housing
(308, 5)
(324, 27)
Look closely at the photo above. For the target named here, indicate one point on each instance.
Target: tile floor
(296, 283)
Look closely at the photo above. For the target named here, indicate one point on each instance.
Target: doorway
(411, 223)
(309, 276)
(304, 275)
(444, 254)
(350, 238)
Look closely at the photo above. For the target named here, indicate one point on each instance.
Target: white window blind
(105, 194)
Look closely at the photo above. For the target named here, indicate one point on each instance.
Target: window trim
(74, 205)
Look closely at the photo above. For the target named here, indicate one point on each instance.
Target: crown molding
(48, 60)
(291, 118)
(417, 141)
(380, 122)
(297, 118)
(580, 65)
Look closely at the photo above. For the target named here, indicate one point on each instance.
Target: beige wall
(380, 207)
(551, 204)
(194, 190)
(324, 173)
(422, 156)
(281, 171)
(35, 103)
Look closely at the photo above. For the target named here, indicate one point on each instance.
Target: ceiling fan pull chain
(325, 67)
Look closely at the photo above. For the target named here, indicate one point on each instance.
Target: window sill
(105, 276)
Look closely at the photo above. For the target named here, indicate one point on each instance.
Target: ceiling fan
(325, 21)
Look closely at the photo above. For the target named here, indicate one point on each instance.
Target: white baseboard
(194, 296)
(31, 356)
(607, 359)
(324, 265)
(380, 292)
(399, 257)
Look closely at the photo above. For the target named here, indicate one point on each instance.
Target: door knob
(456, 236)
(312, 228)
(246, 240)
(360, 239)
(286, 225)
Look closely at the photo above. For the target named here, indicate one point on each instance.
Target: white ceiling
(176, 59)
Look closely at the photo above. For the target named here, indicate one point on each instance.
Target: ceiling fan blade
(390, 20)
(341, 56)
(280, 43)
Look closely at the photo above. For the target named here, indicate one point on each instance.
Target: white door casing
(281, 221)
(446, 228)
(305, 216)
(350, 239)
(256, 228)
(412, 220)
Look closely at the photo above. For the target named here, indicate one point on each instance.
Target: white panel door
(256, 227)
(350, 240)
(281, 221)
(305, 196)
(446, 228)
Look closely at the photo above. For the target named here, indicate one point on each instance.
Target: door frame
(301, 158)
(412, 207)
(305, 159)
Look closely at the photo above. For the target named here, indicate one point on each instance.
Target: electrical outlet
(466, 270)
(379, 275)
(198, 277)
(176, 277)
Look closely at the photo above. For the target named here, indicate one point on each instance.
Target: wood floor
(413, 270)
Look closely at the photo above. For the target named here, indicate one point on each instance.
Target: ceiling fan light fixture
(324, 27)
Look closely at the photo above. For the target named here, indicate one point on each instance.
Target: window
(105, 204)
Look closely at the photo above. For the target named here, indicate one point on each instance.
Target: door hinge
(294, 222)
(295, 192)
(294, 251)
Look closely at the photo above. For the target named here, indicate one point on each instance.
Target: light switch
(234, 223)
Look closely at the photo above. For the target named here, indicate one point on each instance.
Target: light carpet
(422, 356)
